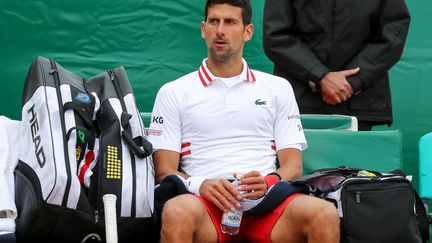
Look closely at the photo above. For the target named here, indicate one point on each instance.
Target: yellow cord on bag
(365, 173)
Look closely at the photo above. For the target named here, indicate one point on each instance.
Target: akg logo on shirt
(157, 119)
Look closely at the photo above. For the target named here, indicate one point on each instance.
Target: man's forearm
(290, 160)
(166, 163)
(160, 176)
(290, 173)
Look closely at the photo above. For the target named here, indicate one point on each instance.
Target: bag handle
(78, 109)
(134, 143)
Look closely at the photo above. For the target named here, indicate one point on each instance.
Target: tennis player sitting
(226, 118)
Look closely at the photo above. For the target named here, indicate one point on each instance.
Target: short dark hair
(243, 4)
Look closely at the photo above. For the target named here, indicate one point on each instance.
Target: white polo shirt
(220, 126)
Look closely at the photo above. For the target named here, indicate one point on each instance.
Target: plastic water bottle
(231, 220)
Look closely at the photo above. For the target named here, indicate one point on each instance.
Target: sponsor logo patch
(293, 117)
(260, 102)
(154, 132)
(157, 119)
(83, 97)
(81, 136)
(78, 153)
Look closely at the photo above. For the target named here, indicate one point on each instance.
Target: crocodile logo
(260, 102)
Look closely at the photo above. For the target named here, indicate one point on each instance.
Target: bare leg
(307, 219)
(185, 219)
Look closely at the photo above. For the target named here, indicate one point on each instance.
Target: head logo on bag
(34, 128)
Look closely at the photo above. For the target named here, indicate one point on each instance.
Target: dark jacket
(306, 39)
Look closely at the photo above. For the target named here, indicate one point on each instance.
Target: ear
(203, 29)
(248, 33)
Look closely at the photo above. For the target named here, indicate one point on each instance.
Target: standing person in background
(226, 118)
(337, 54)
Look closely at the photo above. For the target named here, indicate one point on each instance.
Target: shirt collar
(207, 77)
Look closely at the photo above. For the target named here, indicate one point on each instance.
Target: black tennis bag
(373, 207)
(79, 141)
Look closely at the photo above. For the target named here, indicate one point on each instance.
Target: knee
(179, 210)
(173, 209)
(326, 215)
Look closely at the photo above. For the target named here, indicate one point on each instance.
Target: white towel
(9, 134)
(7, 225)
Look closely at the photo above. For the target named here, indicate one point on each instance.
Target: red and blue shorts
(252, 228)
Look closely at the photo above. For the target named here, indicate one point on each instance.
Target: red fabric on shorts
(253, 228)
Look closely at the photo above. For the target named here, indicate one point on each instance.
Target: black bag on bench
(373, 207)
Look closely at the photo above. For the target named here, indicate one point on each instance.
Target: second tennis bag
(373, 207)
(124, 167)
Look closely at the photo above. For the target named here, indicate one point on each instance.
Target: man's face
(224, 32)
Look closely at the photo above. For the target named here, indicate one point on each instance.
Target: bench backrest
(372, 150)
(329, 122)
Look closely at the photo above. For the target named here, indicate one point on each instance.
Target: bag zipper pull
(96, 215)
(357, 195)
(111, 74)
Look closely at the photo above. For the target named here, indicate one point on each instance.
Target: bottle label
(232, 219)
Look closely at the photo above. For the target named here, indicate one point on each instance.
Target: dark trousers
(366, 126)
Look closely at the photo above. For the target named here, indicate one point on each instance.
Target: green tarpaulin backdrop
(158, 41)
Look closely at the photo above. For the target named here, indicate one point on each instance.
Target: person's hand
(253, 185)
(335, 88)
(221, 193)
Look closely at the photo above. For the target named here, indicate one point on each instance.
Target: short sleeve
(288, 130)
(165, 124)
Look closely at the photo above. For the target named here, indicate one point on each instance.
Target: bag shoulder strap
(423, 223)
